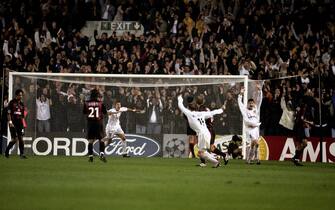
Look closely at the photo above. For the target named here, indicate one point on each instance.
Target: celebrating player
(196, 120)
(251, 116)
(113, 126)
(15, 121)
(95, 109)
(191, 134)
(210, 125)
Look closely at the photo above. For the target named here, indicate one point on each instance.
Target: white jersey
(251, 118)
(114, 118)
(288, 116)
(197, 122)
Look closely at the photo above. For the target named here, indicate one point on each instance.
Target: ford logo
(139, 146)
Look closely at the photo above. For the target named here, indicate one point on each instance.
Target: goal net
(56, 124)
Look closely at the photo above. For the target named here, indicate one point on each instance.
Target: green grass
(157, 184)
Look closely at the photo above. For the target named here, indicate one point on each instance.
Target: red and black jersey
(209, 121)
(94, 110)
(16, 111)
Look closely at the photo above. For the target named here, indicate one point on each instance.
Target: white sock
(251, 153)
(210, 157)
(247, 151)
(124, 147)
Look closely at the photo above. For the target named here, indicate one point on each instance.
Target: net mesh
(54, 103)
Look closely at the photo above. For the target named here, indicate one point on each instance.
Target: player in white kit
(251, 118)
(113, 127)
(197, 122)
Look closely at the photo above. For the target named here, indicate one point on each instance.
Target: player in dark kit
(15, 122)
(210, 125)
(301, 122)
(95, 111)
(233, 147)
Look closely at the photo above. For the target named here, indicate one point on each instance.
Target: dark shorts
(16, 132)
(190, 131)
(94, 130)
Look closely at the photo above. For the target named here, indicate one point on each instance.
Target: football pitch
(158, 184)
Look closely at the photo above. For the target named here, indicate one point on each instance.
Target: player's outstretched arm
(124, 109)
(209, 114)
(110, 112)
(240, 103)
(132, 110)
(282, 103)
(259, 97)
(181, 105)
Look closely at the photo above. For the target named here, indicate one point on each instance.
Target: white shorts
(252, 134)
(111, 131)
(204, 139)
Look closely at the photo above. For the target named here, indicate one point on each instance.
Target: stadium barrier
(75, 144)
(279, 148)
(283, 148)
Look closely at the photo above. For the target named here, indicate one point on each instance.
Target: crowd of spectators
(264, 39)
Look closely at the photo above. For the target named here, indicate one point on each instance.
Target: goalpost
(65, 93)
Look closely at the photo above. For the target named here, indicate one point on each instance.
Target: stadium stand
(266, 40)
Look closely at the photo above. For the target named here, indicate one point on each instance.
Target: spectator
(274, 113)
(263, 40)
(43, 114)
(332, 111)
(140, 115)
(58, 107)
(232, 117)
(288, 116)
(107, 11)
(169, 119)
(30, 101)
(74, 115)
(154, 111)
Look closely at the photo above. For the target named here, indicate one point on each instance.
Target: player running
(197, 122)
(113, 126)
(251, 118)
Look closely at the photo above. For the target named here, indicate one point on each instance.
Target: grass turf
(159, 184)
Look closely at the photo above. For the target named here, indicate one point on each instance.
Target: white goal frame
(224, 77)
